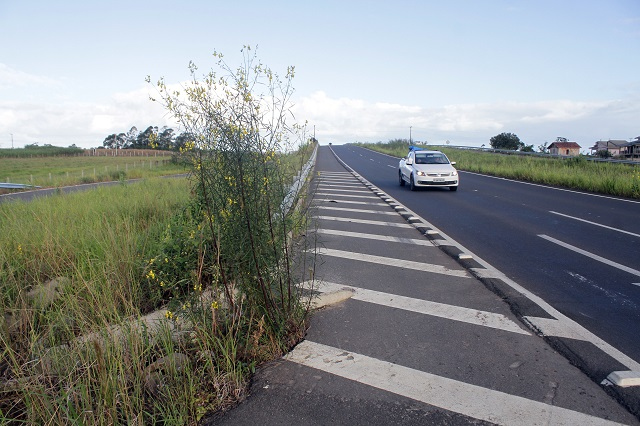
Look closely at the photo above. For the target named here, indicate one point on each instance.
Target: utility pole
(410, 140)
(11, 140)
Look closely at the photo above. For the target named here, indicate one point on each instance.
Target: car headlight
(455, 173)
(419, 173)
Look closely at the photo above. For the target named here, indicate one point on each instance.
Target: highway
(578, 252)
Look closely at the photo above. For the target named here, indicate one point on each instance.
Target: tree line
(164, 138)
(511, 141)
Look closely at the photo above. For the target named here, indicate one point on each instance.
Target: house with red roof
(570, 149)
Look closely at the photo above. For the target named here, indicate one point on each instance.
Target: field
(59, 170)
(574, 173)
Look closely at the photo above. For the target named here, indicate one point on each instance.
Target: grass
(575, 173)
(35, 150)
(96, 245)
(75, 279)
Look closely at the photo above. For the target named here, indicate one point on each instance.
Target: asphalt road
(579, 252)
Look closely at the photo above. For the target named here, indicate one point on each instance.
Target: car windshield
(431, 158)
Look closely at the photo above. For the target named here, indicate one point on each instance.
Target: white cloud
(10, 78)
(337, 120)
(347, 120)
(83, 124)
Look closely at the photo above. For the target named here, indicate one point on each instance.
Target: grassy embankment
(58, 167)
(82, 263)
(578, 173)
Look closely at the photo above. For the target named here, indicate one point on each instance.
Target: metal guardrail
(8, 185)
(298, 182)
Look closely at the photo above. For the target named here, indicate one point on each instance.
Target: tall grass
(575, 173)
(75, 279)
(93, 245)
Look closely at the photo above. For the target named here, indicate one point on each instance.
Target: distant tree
(543, 147)
(166, 138)
(506, 141)
(526, 148)
(147, 138)
(114, 141)
(131, 137)
(603, 153)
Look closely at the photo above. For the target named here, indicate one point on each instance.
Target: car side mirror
(409, 161)
(453, 163)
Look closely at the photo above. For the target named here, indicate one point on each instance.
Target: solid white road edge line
(422, 242)
(426, 307)
(594, 223)
(452, 395)
(400, 263)
(591, 255)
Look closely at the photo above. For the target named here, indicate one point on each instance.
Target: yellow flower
(151, 275)
(169, 314)
(214, 305)
(19, 248)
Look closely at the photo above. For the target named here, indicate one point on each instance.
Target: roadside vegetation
(578, 173)
(154, 302)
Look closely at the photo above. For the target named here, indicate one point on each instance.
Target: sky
(73, 72)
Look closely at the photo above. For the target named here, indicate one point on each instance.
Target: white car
(424, 168)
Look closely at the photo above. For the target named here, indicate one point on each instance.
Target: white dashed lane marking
(595, 224)
(591, 255)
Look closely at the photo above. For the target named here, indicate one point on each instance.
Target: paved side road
(420, 341)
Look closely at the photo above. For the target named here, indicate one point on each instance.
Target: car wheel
(453, 188)
(412, 183)
(400, 180)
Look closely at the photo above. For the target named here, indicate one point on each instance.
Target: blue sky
(463, 71)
